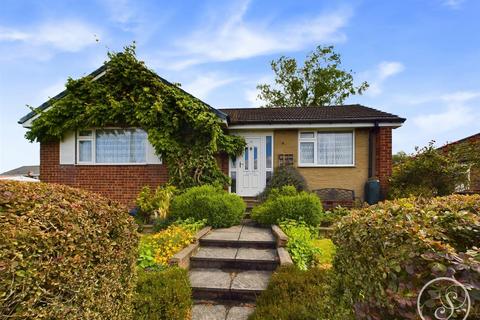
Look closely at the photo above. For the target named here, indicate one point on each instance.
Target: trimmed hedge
(293, 294)
(286, 203)
(388, 252)
(284, 176)
(218, 207)
(65, 254)
(163, 295)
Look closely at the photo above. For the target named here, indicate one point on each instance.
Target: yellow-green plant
(155, 205)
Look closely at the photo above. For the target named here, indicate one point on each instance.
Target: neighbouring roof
(98, 73)
(327, 114)
(22, 171)
(473, 137)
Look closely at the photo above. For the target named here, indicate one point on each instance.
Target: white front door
(250, 168)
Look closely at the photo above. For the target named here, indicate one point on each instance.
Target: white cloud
(68, 35)
(202, 85)
(236, 37)
(455, 4)
(380, 74)
(120, 11)
(455, 112)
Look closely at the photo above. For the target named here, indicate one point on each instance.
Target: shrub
(162, 295)
(218, 207)
(303, 295)
(300, 243)
(155, 250)
(287, 203)
(64, 254)
(433, 172)
(154, 205)
(388, 252)
(284, 176)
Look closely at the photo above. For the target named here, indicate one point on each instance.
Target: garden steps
(230, 269)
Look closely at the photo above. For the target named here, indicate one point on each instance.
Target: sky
(420, 57)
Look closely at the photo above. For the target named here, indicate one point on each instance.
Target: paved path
(230, 269)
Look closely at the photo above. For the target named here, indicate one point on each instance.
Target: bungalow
(332, 147)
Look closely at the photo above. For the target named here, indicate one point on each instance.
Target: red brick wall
(120, 182)
(383, 157)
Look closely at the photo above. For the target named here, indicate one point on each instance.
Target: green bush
(64, 254)
(218, 207)
(388, 252)
(284, 176)
(300, 245)
(287, 203)
(162, 295)
(301, 295)
(327, 250)
(433, 172)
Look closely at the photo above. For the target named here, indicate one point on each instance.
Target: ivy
(183, 130)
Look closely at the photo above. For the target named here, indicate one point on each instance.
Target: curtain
(307, 152)
(335, 148)
(120, 146)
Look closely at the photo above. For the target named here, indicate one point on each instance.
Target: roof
(327, 114)
(98, 72)
(22, 171)
(19, 178)
(473, 137)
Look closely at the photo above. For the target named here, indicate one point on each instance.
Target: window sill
(112, 164)
(326, 166)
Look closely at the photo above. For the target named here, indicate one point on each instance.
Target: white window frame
(94, 149)
(315, 146)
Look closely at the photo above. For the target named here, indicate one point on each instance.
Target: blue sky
(421, 57)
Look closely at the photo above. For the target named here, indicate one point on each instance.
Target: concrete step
(243, 236)
(206, 310)
(230, 285)
(235, 258)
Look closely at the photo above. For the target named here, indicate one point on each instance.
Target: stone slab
(239, 313)
(216, 253)
(182, 258)
(256, 254)
(234, 229)
(257, 236)
(210, 278)
(209, 312)
(216, 235)
(280, 236)
(251, 280)
(284, 257)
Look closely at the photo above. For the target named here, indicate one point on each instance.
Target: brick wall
(118, 182)
(383, 157)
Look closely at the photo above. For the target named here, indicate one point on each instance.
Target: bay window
(326, 148)
(112, 146)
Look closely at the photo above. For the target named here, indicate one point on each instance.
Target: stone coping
(182, 258)
(281, 237)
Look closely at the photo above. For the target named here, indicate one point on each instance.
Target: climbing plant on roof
(183, 130)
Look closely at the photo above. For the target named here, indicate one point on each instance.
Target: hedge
(162, 295)
(388, 252)
(293, 294)
(64, 254)
(218, 207)
(286, 203)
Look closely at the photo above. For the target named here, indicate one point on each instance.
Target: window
(326, 148)
(268, 152)
(112, 146)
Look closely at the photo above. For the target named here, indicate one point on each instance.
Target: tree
(434, 172)
(319, 82)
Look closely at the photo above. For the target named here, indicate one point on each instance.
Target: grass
(327, 251)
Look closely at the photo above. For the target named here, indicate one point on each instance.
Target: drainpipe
(372, 150)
